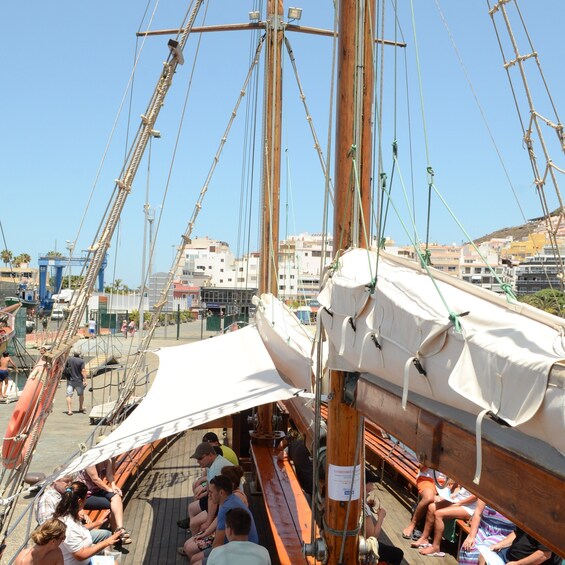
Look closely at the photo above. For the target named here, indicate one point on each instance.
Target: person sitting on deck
(294, 446)
(487, 528)
(240, 550)
(460, 504)
(520, 547)
(50, 497)
(199, 486)
(426, 493)
(78, 546)
(200, 512)
(227, 452)
(221, 495)
(47, 539)
(374, 518)
(235, 473)
(103, 493)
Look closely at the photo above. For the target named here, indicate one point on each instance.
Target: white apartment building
(211, 263)
(208, 262)
(474, 270)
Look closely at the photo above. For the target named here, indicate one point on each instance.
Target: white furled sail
(447, 340)
(286, 340)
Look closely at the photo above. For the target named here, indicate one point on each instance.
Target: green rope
(430, 173)
(510, 296)
(452, 316)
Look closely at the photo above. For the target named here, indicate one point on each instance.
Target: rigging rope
(317, 146)
(185, 238)
(534, 118)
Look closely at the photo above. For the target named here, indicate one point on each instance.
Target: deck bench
(288, 510)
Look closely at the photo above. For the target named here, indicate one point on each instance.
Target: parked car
(57, 314)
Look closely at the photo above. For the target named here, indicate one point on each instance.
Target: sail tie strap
(406, 381)
(373, 338)
(344, 325)
(479, 462)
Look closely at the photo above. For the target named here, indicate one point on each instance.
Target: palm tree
(24, 257)
(6, 256)
(550, 300)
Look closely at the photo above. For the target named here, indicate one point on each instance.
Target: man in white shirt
(239, 551)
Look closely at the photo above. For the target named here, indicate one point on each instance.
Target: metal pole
(178, 322)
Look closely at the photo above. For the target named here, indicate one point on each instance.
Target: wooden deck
(158, 502)
(161, 499)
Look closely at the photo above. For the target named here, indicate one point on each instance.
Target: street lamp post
(70, 246)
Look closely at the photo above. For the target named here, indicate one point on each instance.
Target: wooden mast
(268, 267)
(345, 465)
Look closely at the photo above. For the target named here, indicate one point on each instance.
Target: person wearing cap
(76, 380)
(227, 452)
(221, 494)
(202, 511)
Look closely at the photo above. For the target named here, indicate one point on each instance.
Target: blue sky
(65, 67)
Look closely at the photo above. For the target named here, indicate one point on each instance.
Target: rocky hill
(517, 232)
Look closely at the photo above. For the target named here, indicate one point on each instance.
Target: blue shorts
(79, 387)
(3, 375)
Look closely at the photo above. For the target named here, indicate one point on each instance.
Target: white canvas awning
(195, 384)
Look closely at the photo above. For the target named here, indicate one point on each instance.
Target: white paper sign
(339, 482)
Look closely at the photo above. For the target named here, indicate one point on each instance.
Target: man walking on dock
(76, 380)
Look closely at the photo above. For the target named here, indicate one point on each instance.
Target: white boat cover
(286, 340)
(196, 383)
(500, 359)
